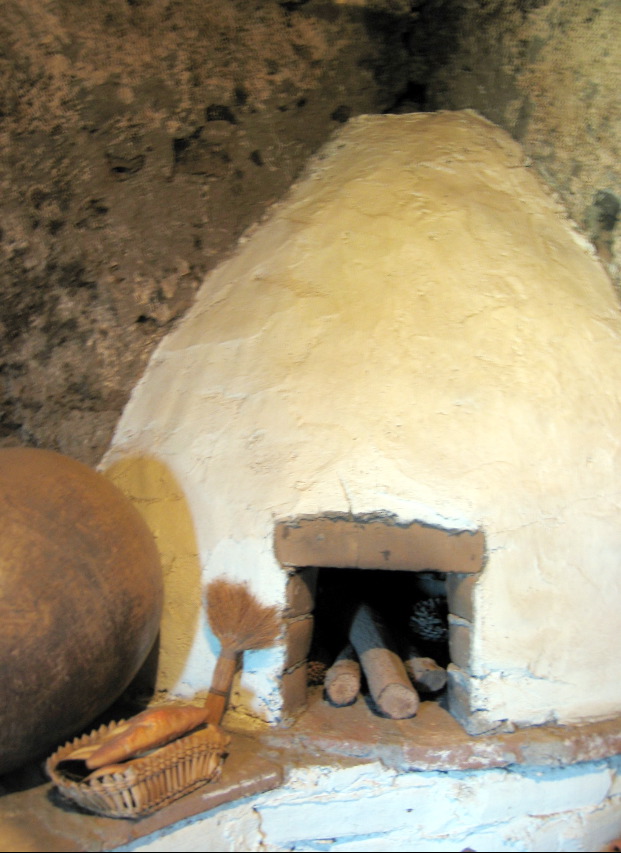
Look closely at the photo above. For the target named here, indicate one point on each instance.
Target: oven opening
(378, 609)
(382, 636)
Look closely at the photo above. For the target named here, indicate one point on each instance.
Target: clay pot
(80, 599)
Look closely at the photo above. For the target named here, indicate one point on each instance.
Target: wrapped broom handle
(241, 623)
(218, 696)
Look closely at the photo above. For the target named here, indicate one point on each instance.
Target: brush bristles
(237, 619)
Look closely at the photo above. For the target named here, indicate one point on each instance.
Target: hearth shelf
(34, 818)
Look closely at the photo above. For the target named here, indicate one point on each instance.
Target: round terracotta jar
(80, 599)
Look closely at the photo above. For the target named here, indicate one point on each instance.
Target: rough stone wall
(139, 138)
(549, 72)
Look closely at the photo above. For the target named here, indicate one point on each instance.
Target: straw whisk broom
(240, 623)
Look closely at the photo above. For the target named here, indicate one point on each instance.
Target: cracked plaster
(416, 330)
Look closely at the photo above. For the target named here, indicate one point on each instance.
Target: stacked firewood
(395, 676)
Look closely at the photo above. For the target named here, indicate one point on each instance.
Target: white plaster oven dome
(417, 333)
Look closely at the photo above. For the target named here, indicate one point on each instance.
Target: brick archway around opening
(372, 541)
(376, 541)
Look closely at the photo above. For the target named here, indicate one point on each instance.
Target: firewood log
(388, 681)
(342, 681)
(427, 675)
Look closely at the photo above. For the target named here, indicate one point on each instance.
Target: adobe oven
(412, 366)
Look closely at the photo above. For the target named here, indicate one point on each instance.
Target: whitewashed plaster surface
(368, 807)
(417, 329)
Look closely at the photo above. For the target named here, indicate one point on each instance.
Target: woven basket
(144, 784)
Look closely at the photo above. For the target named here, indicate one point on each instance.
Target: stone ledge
(434, 740)
(36, 818)
(40, 819)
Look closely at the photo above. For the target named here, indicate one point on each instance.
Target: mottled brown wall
(549, 72)
(139, 138)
